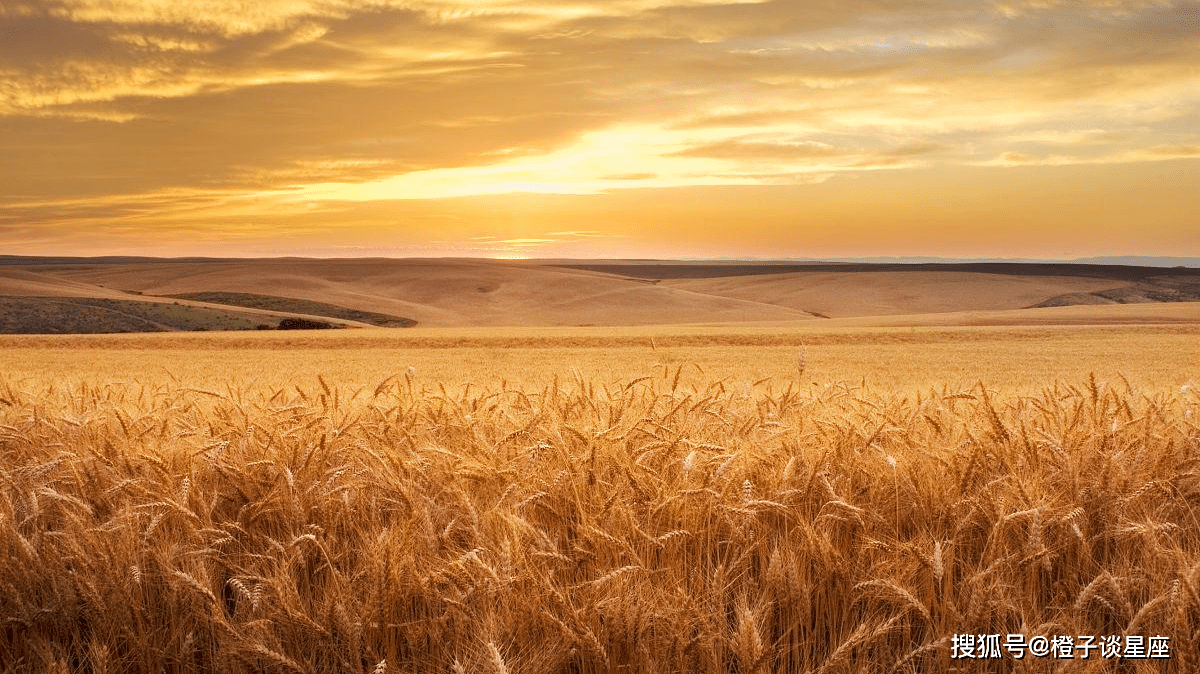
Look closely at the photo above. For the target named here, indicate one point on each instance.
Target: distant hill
(47, 294)
(1127, 260)
(1135, 261)
(87, 315)
(289, 304)
(1144, 261)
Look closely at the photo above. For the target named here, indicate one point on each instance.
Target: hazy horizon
(1118, 260)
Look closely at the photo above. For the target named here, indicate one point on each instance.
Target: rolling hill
(241, 293)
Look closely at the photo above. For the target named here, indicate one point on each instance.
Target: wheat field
(676, 521)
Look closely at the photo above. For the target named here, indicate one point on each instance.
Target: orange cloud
(182, 117)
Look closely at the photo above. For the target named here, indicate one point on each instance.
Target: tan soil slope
(15, 282)
(1086, 314)
(442, 292)
(868, 293)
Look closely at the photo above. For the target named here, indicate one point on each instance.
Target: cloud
(1172, 151)
(755, 149)
(110, 107)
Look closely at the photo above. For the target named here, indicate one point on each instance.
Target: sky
(600, 128)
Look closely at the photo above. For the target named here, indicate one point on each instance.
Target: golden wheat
(660, 525)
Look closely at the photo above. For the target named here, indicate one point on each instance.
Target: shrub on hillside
(303, 324)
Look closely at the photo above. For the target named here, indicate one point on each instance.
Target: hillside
(479, 292)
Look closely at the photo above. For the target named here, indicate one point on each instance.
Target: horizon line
(1117, 260)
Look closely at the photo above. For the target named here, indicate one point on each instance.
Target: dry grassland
(644, 500)
(914, 358)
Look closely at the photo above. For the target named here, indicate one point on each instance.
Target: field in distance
(474, 292)
(1014, 358)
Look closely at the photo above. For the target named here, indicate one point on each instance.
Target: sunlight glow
(747, 124)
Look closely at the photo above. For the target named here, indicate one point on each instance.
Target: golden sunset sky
(600, 128)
